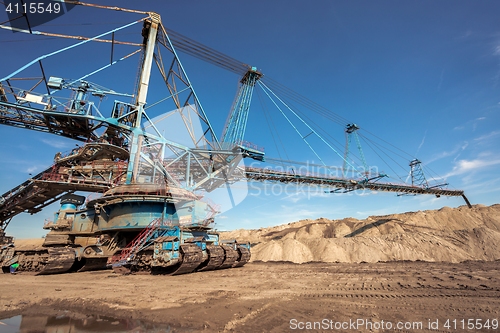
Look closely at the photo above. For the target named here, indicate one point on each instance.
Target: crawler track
(42, 261)
(56, 260)
(192, 260)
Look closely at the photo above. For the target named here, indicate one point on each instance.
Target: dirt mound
(447, 234)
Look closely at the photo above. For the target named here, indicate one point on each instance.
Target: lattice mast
(417, 174)
(237, 120)
(350, 132)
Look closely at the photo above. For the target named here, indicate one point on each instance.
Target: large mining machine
(149, 217)
(151, 214)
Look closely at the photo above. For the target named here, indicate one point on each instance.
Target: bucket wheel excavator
(151, 216)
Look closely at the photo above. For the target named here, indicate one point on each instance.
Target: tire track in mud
(233, 324)
(415, 297)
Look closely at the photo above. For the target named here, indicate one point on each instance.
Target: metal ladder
(138, 242)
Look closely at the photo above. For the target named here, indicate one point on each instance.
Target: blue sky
(423, 76)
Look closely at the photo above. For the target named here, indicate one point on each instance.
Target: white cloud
(421, 143)
(32, 169)
(56, 143)
(469, 166)
(476, 121)
(473, 122)
(292, 198)
(490, 183)
(364, 193)
(496, 50)
(440, 80)
(429, 201)
(457, 150)
(465, 35)
(487, 136)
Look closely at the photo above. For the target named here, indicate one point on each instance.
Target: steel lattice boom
(347, 185)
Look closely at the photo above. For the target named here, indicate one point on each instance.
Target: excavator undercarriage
(131, 230)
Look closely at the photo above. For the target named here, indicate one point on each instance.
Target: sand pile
(448, 234)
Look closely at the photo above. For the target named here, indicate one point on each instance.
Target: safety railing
(136, 244)
(251, 145)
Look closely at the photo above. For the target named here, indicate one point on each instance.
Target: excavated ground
(270, 297)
